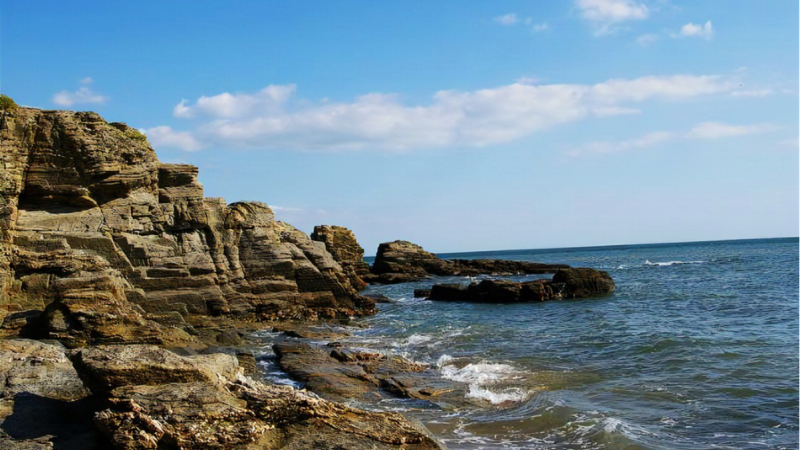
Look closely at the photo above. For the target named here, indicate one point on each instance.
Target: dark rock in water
(567, 283)
(403, 261)
(456, 292)
(304, 331)
(379, 298)
(339, 373)
(583, 282)
(422, 293)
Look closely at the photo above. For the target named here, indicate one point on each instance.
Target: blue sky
(457, 125)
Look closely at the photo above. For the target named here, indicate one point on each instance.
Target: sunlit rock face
(102, 243)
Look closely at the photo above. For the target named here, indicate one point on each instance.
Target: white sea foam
(672, 263)
(481, 375)
(496, 398)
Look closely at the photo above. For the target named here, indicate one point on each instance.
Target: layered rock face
(566, 283)
(145, 397)
(102, 243)
(402, 261)
(343, 246)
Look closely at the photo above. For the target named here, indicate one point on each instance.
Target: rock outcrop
(403, 261)
(103, 244)
(341, 243)
(566, 283)
(145, 397)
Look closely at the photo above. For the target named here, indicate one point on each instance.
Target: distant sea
(697, 349)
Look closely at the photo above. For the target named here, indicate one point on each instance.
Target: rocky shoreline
(120, 282)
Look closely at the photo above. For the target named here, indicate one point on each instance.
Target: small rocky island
(125, 292)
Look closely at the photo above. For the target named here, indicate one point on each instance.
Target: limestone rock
(108, 367)
(33, 367)
(343, 246)
(101, 243)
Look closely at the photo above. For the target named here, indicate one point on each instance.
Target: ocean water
(697, 349)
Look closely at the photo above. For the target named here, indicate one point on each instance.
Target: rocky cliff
(102, 243)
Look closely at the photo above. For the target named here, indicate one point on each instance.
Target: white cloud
(717, 130)
(539, 27)
(606, 147)
(273, 118)
(753, 93)
(646, 40)
(84, 94)
(705, 130)
(691, 30)
(605, 14)
(507, 19)
(792, 143)
(164, 136)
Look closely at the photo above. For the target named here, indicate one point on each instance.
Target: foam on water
(481, 375)
(671, 263)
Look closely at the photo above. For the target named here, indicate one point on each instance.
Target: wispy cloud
(753, 93)
(507, 19)
(646, 40)
(83, 95)
(274, 119)
(717, 130)
(705, 130)
(605, 15)
(539, 27)
(705, 31)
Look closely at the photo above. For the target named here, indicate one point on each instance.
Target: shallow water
(696, 349)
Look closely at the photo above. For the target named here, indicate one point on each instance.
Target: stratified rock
(108, 367)
(198, 412)
(341, 243)
(403, 261)
(113, 246)
(340, 374)
(33, 367)
(583, 282)
(566, 283)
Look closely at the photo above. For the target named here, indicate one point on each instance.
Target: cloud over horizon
(273, 118)
(83, 95)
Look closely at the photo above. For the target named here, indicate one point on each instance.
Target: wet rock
(583, 282)
(422, 293)
(339, 373)
(567, 283)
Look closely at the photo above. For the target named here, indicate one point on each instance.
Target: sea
(696, 349)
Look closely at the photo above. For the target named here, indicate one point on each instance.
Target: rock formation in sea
(566, 283)
(403, 261)
(341, 243)
(102, 243)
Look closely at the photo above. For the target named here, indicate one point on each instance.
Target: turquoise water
(697, 349)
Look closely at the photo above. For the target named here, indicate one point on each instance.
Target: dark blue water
(697, 349)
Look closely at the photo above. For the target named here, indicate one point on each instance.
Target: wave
(672, 263)
(481, 375)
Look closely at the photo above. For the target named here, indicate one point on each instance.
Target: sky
(461, 126)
